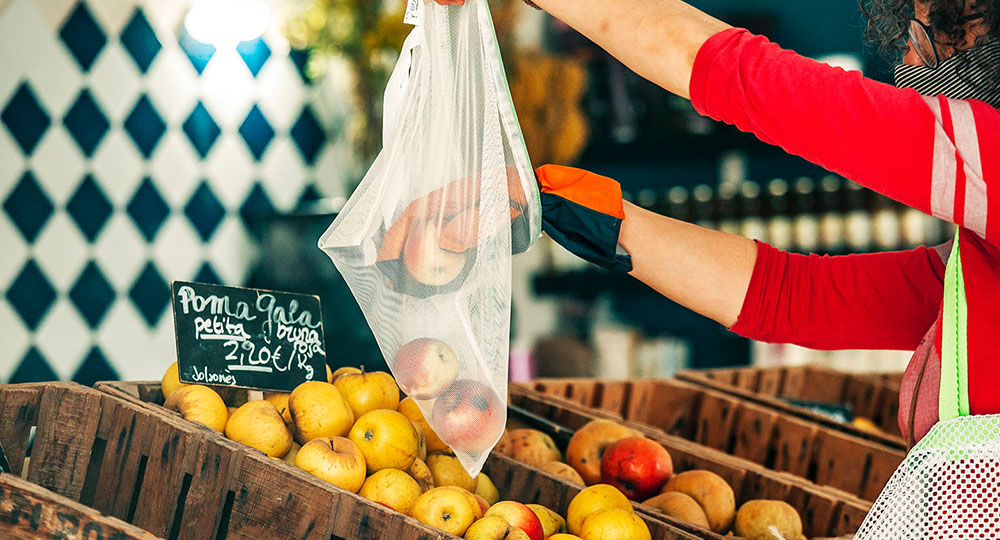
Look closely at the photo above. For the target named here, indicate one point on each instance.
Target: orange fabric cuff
(599, 193)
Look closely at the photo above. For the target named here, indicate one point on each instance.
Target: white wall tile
(61, 251)
(15, 342)
(114, 81)
(118, 166)
(121, 252)
(63, 338)
(58, 164)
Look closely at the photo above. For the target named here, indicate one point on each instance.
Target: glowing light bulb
(225, 23)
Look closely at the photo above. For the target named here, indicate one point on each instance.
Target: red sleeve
(812, 300)
(931, 153)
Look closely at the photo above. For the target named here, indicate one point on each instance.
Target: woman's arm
(704, 270)
(869, 301)
(658, 39)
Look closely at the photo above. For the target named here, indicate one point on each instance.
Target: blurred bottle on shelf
(858, 226)
(831, 224)
(806, 223)
(752, 223)
(780, 232)
(678, 204)
(887, 224)
(726, 210)
(702, 212)
(646, 198)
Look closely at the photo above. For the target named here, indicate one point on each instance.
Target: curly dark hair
(888, 21)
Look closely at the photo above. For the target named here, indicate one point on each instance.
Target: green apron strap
(953, 397)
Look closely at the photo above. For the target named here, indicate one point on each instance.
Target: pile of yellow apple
(603, 452)
(354, 432)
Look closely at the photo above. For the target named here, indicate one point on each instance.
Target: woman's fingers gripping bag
(425, 242)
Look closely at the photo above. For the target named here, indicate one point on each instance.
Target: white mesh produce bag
(948, 486)
(425, 242)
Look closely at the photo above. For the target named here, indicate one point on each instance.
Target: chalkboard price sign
(248, 338)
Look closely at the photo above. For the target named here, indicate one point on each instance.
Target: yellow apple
(171, 381)
(368, 391)
(319, 410)
(448, 471)
(331, 377)
(503, 446)
(533, 448)
(486, 489)
(494, 528)
(681, 506)
(421, 441)
(422, 474)
(564, 536)
(434, 443)
(614, 523)
(334, 459)
(446, 509)
(552, 523)
(280, 401)
(564, 471)
(290, 456)
(393, 488)
(199, 404)
(387, 439)
(260, 425)
(592, 499)
(478, 509)
(329, 374)
(426, 261)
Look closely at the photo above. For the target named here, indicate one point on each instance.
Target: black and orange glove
(583, 212)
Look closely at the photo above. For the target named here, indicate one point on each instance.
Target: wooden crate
(825, 510)
(31, 512)
(516, 481)
(871, 395)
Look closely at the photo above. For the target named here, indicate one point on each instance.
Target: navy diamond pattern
(25, 118)
(300, 59)
(257, 132)
(28, 206)
(89, 208)
(197, 52)
(145, 126)
(83, 36)
(92, 294)
(94, 368)
(309, 194)
(308, 135)
(201, 129)
(206, 274)
(150, 294)
(139, 39)
(204, 211)
(86, 123)
(33, 368)
(256, 205)
(31, 294)
(254, 53)
(147, 209)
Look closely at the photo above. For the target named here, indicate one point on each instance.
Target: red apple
(637, 466)
(426, 261)
(520, 516)
(425, 367)
(469, 416)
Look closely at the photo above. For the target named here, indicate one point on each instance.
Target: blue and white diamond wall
(132, 155)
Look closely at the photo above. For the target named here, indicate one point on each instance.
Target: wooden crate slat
(753, 433)
(68, 416)
(30, 512)
(272, 502)
(19, 411)
(215, 464)
(714, 421)
(793, 445)
(126, 434)
(162, 483)
(674, 410)
(770, 382)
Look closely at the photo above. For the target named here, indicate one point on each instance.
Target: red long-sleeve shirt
(935, 154)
